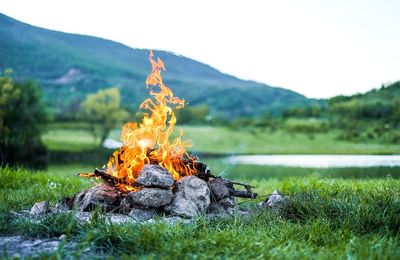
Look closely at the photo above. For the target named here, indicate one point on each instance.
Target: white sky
(318, 48)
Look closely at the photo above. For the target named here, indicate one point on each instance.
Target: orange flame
(150, 141)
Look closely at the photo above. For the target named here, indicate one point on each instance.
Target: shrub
(22, 117)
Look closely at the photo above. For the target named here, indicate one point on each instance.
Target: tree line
(24, 115)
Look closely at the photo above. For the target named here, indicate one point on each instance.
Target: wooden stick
(244, 194)
(204, 174)
(248, 193)
(98, 173)
(209, 175)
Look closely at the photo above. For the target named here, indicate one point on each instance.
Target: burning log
(116, 181)
(102, 174)
(204, 175)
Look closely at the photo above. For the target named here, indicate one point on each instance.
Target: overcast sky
(318, 48)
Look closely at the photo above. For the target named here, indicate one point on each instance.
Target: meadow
(332, 213)
(217, 140)
(327, 217)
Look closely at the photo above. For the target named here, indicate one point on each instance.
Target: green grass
(260, 141)
(21, 188)
(327, 217)
(223, 140)
(263, 172)
(69, 140)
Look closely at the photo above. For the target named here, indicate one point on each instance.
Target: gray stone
(192, 198)
(102, 195)
(142, 214)
(173, 220)
(125, 207)
(82, 217)
(183, 208)
(26, 247)
(110, 218)
(275, 200)
(40, 208)
(220, 189)
(63, 205)
(153, 175)
(150, 197)
(17, 246)
(60, 207)
(119, 219)
(224, 206)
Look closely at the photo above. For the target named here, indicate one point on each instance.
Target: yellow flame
(150, 141)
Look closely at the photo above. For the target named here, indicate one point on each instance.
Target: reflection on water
(318, 161)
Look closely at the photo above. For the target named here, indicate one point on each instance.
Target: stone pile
(159, 195)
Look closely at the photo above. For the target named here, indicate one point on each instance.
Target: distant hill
(69, 66)
(378, 104)
(386, 93)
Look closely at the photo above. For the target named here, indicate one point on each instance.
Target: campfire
(150, 141)
(154, 174)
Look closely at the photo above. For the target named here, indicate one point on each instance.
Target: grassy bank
(326, 218)
(249, 172)
(222, 140)
(333, 213)
(70, 137)
(262, 141)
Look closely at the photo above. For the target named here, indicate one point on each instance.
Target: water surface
(318, 161)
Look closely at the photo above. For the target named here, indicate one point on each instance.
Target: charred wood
(247, 193)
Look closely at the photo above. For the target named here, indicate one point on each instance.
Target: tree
(103, 111)
(22, 117)
(396, 113)
(193, 115)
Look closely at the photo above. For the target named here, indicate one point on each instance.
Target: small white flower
(52, 185)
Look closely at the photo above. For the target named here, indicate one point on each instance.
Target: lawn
(327, 217)
(332, 214)
(70, 140)
(226, 141)
(262, 141)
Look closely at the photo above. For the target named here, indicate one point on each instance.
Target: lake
(317, 161)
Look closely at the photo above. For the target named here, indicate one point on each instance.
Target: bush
(193, 115)
(103, 111)
(22, 117)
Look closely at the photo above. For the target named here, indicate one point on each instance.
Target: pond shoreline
(317, 161)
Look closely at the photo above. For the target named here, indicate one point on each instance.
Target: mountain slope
(377, 104)
(70, 66)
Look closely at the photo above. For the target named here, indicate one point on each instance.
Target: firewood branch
(248, 193)
(99, 173)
